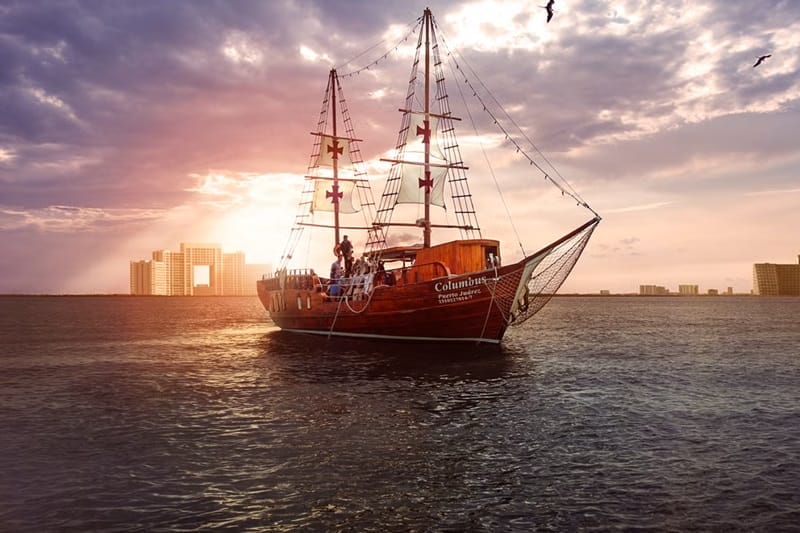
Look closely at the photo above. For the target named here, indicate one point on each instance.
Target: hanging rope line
(566, 189)
(412, 30)
(491, 168)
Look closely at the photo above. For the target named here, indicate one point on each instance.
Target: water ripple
(601, 413)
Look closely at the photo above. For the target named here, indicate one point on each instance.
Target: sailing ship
(449, 290)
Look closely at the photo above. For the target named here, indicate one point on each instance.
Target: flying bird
(760, 59)
(549, 8)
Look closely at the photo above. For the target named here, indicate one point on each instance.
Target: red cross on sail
(426, 183)
(334, 194)
(412, 185)
(334, 148)
(425, 131)
(325, 194)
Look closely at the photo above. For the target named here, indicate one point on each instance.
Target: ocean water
(600, 413)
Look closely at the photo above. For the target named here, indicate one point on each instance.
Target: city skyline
(197, 269)
(127, 124)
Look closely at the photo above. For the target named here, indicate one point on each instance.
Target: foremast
(335, 194)
(326, 190)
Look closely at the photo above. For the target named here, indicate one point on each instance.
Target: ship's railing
(299, 279)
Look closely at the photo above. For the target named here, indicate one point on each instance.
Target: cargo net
(550, 272)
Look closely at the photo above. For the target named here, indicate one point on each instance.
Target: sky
(127, 127)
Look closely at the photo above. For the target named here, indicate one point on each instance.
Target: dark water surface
(170, 414)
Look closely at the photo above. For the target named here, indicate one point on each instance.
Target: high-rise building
(770, 279)
(149, 277)
(202, 269)
(688, 290)
(652, 290)
(176, 279)
(199, 269)
(233, 274)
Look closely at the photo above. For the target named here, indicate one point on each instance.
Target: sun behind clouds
(247, 212)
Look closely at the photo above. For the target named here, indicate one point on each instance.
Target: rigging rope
(569, 190)
(491, 168)
(412, 29)
(333, 322)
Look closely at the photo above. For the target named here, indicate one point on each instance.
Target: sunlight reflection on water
(143, 414)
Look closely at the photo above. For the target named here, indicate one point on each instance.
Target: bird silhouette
(761, 60)
(549, 8)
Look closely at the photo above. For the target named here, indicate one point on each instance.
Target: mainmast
(426, 231)
(427, 157)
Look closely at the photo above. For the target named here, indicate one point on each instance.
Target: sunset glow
(126, 128)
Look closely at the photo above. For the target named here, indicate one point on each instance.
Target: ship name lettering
(461, 284)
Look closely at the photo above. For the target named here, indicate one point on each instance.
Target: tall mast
(336, 194)
(427, 134)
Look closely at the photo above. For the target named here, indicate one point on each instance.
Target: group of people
(356, 277)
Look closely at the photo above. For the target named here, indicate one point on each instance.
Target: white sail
(330, 146)
(418, 132)
(412, 190)
(324, 195)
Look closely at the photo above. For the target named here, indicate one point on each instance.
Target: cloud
(644, 207)
(70, 219)
(774, 191)
(186, 116)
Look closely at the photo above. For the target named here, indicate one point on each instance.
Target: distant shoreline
(557, 295)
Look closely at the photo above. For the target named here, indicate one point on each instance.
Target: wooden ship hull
(427, 301)
(472, 307)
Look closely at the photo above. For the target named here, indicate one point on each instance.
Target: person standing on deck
(346, 247)
(336, 269)
(336, 276)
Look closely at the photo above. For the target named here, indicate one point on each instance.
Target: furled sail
(324, 195)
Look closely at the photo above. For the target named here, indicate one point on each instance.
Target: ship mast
(335, 189)
(426, 232)
(416, 171)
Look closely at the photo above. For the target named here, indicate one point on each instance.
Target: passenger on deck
(346, 247)
(359, 281)
(336, 276)
(336, 268)
(380, 274)
(334, 290)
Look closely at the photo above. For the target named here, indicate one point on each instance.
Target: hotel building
(770, 279)
(198, 269)
(652, 290)
(688, 290)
